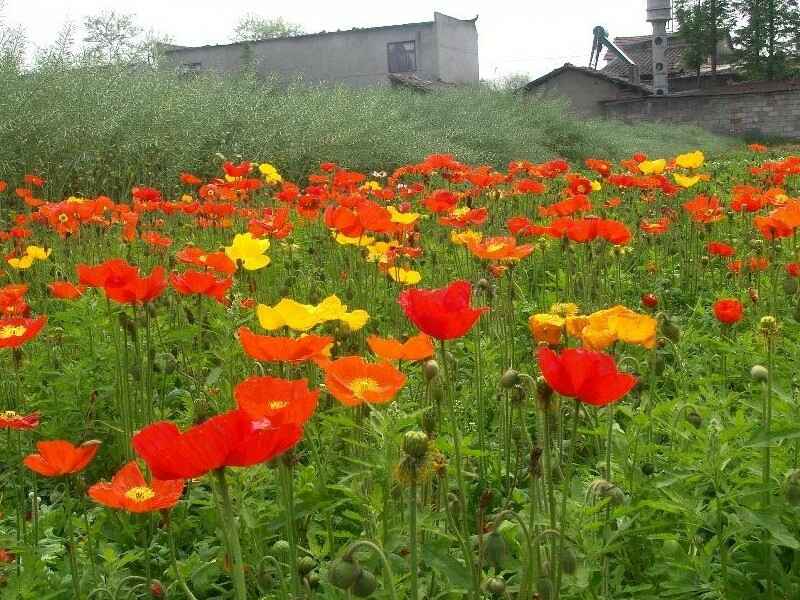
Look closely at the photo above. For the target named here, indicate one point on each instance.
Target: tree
(13, 43)
(703, 24)
(114, 38)
(252, 28)
(767, 37)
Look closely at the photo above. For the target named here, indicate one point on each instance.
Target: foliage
(768, 37)
(252, 28)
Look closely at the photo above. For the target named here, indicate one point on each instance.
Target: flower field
(554, 380)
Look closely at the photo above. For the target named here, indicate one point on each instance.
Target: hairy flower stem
(412, 524)
(287, 483)
(69, 536)
(174, 558)
(456, 430)
(606, 526)
(231, 533)
(565, 492)
(767, 423)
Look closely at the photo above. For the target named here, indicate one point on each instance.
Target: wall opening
(402, 57)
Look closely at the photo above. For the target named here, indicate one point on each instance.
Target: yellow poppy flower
(465, 238)
(379, 250)
(546, 327)
(404, 276)
(345, 240)
(38, 253)
(690, 160)
(372, 186)
(249, 250)
(21, 263)
(596, 186)
(576, 324)
(402, 218)
(355, 319)
(289, 313)
(270, 173)
(686, 181)
(564, 309)
(618, 323)
(653, 167)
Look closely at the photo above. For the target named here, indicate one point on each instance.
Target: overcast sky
(525, 36)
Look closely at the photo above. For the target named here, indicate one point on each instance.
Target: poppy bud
(313, 579)
(156, 589)
(306, 565)
(496, 586)
(430, 369)
(670, 330)
(365, 584)
(694, 419)
(759, 373)
(568, 562)
(415, 444)
(768, 325)
(793, 488)
(509, 379)
(543, 392)
(343, 573)
(753, 293)
(495, 549)
(648, 469)
(280, 547)
(650, 300)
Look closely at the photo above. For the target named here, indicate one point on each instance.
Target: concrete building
(445, 49)
(586, 89)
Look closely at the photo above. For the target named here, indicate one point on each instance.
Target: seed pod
(509, 379)
(768, 325)
(759, 373)
(430, 369)
(156, 589)
(365, 584)
(568, 562)
(343, 573)
(306, 565)
(496, 586)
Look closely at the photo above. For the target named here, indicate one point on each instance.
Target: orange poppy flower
(278, 401)
(129, 491)
(58, 457)
(285, 349)
(134, 289)
(567, 207)
(216, 261)
(418, 347)
(66, 290)
(12, 300)
(354, 381)
(16, 331)
(189, 179)
(499, 248)
(12, 420)
(155, 239)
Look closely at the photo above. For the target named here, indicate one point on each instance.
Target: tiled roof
(640, 50)
(619, 81)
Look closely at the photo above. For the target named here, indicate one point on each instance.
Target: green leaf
(762, 439)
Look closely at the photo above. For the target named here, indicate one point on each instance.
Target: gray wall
(457, 43)
(584, 92)
(774, 113)
(446, 49)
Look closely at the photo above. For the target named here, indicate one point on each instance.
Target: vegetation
(105, 130)
(252, 28)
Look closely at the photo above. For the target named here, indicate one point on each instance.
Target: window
(190, 68)
(402, 57)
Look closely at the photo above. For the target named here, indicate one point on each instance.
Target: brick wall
(743, 113)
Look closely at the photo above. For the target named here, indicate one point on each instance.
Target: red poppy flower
(568, 207)
(441, 201)
(11, 420)
(66, 290)
(217, 261)
(793, 269)
(728, 311)
(231, 439)
(16, 331)
(58, 457)
(135, 289)
(500, 248)
(240, 170)
(284, 349)
(443, 313)
(579, 185)
(704, 209)
(278, 401)
(461, 218)
(587, 375)
(129, 491)
(418, 347)
(156, 240)
(201, 283)
(115, 271)
(720, 249)
(650, 300)
(12, 300)
(353, 381)
(34, 180)
(189, 179)
(529, 186)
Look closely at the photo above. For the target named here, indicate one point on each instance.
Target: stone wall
(747, 112)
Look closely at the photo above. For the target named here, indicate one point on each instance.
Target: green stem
(413, 538)
(232, 536)
(174, 557)
(767, 416)
(70, 539)
(288, 494)
(565, 492)
(375, 548)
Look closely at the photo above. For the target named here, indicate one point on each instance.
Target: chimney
(659, 13)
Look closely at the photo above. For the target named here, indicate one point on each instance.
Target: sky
(528, 37)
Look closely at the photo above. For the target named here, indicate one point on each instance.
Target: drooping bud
(509, 379)
(694, 419)
(344, 572)
(156, 589)
(496, 586)
(306, 565)
(793, 488)
(568, 562)
(430, 369)
(365, 585)
(544, 393)
(759, 373)
(495, 549)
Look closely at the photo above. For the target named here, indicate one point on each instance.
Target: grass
(107, 130)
